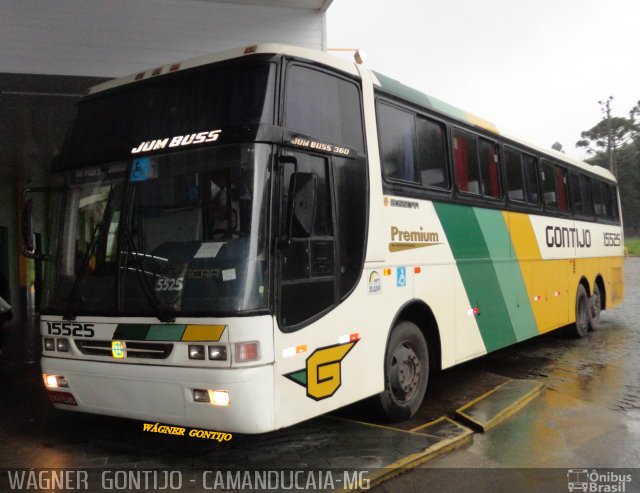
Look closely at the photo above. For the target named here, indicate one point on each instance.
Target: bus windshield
(181, 233)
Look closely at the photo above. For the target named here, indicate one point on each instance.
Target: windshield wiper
(84, 265)
(162, 313)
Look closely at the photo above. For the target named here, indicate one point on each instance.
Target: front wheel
(406, 372)
(581, 326)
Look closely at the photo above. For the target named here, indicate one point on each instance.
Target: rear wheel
(595, 307)
(406, 372)
(581, 326)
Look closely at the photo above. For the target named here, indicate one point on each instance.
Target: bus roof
(388, 84)
(409, 94)
(265, 48)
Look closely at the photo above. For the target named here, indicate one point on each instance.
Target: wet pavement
(588, 416)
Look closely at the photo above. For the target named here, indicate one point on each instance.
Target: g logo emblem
(117, 349)
(322, 376)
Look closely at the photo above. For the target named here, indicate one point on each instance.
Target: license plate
(62, 398)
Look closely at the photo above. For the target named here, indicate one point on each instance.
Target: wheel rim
(405, 372)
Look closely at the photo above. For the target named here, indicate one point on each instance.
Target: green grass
(633, 244)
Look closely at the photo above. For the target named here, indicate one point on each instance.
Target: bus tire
(406, 372)
(595, 307)
(581, 326)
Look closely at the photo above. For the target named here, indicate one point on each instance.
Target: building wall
(112, 38)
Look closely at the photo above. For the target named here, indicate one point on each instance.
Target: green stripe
(415, 96)
(478, 273)
(165, 332)
(514, 292)
(131, 332)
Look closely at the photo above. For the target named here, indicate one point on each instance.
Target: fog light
(219, 397)
(196, 352)
(247, 351)
(200, 395)
(55, 381)
(62, 345)
(49, 344)
(218, 353)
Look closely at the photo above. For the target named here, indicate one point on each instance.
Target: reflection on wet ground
(589, 416)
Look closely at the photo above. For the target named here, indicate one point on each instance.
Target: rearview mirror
(30, 248)
(303, 189)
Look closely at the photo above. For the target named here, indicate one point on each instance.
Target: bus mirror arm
(29, 248)
(285, 240)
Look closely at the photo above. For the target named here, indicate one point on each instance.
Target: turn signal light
(247, 351)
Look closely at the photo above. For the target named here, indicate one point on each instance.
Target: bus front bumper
(164, 394)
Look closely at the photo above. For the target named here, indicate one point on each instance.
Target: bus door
(305, 248)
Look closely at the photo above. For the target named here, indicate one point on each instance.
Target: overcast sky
(534, 68)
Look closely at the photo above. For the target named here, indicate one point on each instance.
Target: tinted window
(580, 194)
(489, 169)
(560, 179)
(432, 160)
(397, 148)
(554, 186)
(576, 196)
(513, 166)
(531, 179)
(109, 126)
(465, 158)
(323, 106)
(613, 201)
(599, 193)
(308, 263)
(351, 218)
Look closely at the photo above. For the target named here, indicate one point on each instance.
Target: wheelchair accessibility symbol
(141, 169)
(401, 277)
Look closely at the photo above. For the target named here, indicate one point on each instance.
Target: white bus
(251, 239)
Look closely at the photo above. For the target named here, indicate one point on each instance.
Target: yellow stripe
(481, 122)
(203, 332)
(545, 278)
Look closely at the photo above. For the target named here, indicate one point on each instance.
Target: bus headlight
(196, 351)
(49, 344)
(62, 345)
(218, 353)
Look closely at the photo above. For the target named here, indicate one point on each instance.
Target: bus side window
(598, 193)
(397, 143)
(585, 188)
(530, 179)
(489, 169)
(576, 196)
(549, 185)
(560, 180)
(465, 157)
(432, 159)
(513, 167)
(613, 202)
